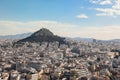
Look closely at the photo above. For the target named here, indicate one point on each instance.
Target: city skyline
(81, 18)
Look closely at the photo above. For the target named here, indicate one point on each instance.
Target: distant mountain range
(47, 32)
(83, 39)
(110, 41)
(99, 41)
(17, 36)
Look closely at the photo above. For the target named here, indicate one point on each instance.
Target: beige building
(112, 54)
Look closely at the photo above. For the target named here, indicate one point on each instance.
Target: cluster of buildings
(51, 61)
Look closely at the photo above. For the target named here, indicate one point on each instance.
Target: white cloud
(105, 2)
(101, 2)
(108, 12)
(95, 1)
(82, 16)
(116, 5)
(105, 33)
(113, 10)
(61, 29)
(14, 27)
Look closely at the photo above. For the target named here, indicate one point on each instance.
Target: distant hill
(110, 41)
(99, 41)
(116, 40)
(83, 39)
(43, 35)
(17, 36)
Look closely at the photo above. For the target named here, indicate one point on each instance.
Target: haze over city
(97, 19)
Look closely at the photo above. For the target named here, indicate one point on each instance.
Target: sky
(97, 19)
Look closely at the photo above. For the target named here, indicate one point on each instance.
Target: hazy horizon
(97, 19)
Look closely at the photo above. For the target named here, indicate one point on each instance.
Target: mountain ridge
(16, 36)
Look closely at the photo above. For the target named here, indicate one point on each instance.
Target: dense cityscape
(59, 39)
(76, 60)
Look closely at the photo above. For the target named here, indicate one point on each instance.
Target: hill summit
(43, 35)
(43, 32)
